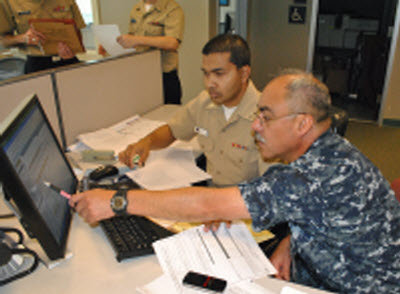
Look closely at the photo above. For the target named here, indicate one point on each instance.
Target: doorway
(351, 53)
(232, 17)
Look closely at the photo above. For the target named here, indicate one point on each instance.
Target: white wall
(391, 104)
(112, 13)
(197, 33)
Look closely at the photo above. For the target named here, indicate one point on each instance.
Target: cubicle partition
(89, 96)
(13, 92)
(104, 93)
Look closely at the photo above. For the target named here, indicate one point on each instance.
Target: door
(232, 17)
(351, 52)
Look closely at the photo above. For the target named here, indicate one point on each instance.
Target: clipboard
(58, 30)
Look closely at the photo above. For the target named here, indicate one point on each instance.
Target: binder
(58, 30)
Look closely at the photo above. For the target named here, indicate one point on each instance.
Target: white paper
(168, 168)
(120, 135)
(106, 35)
(231, 254)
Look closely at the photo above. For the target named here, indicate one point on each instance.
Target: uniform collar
(159, 5)
(246, 107)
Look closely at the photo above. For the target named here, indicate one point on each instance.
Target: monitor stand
(50, 264)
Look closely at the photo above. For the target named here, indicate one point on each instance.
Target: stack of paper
(169, 168)
(230, 253)
(120, 135)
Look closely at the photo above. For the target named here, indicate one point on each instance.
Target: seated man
(221, 116)
(343, 216)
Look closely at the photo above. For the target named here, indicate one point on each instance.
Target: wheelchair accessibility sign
(297, 14)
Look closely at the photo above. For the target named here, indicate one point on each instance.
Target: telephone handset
(16, 261)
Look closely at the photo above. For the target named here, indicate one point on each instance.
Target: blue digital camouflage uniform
(344, 219)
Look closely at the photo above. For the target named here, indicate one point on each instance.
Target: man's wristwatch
(119, 203)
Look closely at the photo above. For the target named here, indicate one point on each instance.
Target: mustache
(258, 137)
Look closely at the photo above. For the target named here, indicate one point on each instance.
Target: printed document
(106, 35)
(168, 168)
(230, 253)
(120, 135)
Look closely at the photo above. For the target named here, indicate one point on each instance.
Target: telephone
(16, 261)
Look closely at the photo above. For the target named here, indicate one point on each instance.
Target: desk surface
(93, 267)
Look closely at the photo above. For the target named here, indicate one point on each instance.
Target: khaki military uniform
(232, 155)
(19, 12)
(165, 18)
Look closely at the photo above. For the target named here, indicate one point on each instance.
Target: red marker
(58, 190)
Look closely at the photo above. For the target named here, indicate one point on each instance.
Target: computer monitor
(29, 155)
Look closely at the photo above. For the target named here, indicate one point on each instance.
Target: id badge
(201, 131)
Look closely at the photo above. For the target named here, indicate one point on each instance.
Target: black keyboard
(132, 235)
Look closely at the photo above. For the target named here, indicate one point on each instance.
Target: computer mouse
(126, 182)
(102, 172)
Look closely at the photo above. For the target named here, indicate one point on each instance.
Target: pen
(58, 190)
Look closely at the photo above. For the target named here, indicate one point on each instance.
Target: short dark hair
(235, 44)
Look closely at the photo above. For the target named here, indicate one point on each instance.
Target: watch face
(119, 202)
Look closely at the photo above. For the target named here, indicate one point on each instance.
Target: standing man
(15, 29)
(159, 24)
(343, 216)
(220, 116)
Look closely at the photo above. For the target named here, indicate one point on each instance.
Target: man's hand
(214, 225)
(33, 37)
(141, 148)
(93, 205)
(128, 41)
(281, 259)
(64, 51)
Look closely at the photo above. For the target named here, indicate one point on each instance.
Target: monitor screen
(29, 155)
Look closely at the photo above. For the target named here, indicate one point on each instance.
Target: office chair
(395, 185)
(11, 67)
(340, 120)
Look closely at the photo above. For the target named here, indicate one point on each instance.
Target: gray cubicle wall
(101, 94)
(90, 96)
(13, 92)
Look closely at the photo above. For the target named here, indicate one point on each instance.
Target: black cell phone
(204, 282)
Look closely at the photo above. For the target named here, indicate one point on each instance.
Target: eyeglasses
(266, 120)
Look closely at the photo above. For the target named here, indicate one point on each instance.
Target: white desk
(93, 268)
